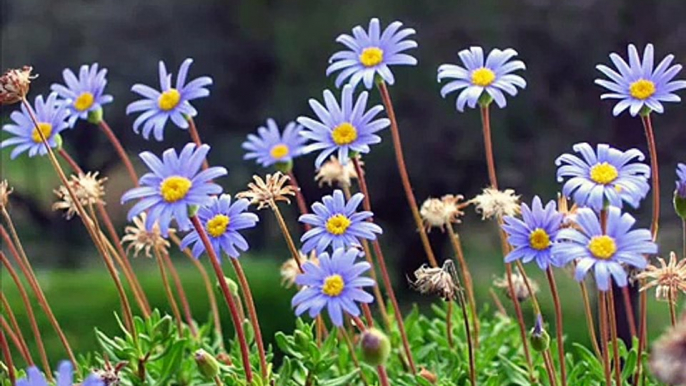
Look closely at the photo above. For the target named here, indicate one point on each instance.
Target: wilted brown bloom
(140, 239)
(436, 281)
(5, 191)
(88, 189)
(441, 213)
(668, 358)
(109, 375)
(667, 278)
(568, 213)
(495, 203)
(332, 171)
(289, 269)
(268, 191)
(15, 84)
(518, 285)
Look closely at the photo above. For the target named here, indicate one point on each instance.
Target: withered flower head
(568, 213)
(436, 281)
(140, 239)
(668, 357)
(268, 191)
(519, 286)
(440, 213)
(109, 375)
(88, 188)
(667, 278)
(5, 191)
(332, 171)
(15, 84)
(289, 269)
(495, 203)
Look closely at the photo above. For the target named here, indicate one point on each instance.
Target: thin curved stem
(183, 299)
(558, 325)
(168, 290)
(613, 335)
(18, 343)
(8, 358)
(520, 322)
(488, 145)
(672, 306)
(404, 176)
(602, 316)
(299, 198)
(449, 324)
(629, 308)
(22, 346)
(589, 319)
(120, 151)
(462, 262)
(654, 174)
(351, 349)
(193, 131)
(549, 368)
(237, 323)
(286, 234)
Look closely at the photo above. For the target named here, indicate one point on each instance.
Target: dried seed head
(5, 191)
(140, 239)
(519, 286)
(333, 172)
(289, 269)
(495, 203)
(667, 279)
(268, 191)
(668, 357)
(207, 364)
(15, 84)
(436, 281)
(440, 213)
(568, 213)
(88, 188)
(109, 375)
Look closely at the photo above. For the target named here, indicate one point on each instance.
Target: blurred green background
(267, 58)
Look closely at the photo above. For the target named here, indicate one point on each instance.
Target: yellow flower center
(344, 134)
(642, 89)
(602, 247)
(44, 128)
(333, 285)
(84, 101)
(217, 225)
(604, 173)
(539, 239)
(338, 224)
(279, 151)
(175, 188)
(371, 56)
(483, 76)
(169, 99)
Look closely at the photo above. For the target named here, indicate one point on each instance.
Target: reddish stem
(488, 145)
(8, 358)
(193, 131)
(22, 346)
(558, 325)
(180, 291)
(120, 151)
(300, 198)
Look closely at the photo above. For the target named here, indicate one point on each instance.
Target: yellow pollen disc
(344, 134)
(602, 247)
(371, 56)
(604, 173)
(642, 89)
(483, 76)
(84, 101)
(175, 188)
(539, 239)
(44, 128)
(169, 99)
(338, 224)
(217, 225)
(333, 285)
(279, 151)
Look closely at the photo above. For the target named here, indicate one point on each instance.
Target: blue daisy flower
(606, 252)
(51, 117)
(637, 84)
(681, 181)
(335, 284)
(344, 128)
(65, 374)
(272, 147)
(478, 77)
(171, 103)
(172, 186)
(606, 175)
(84, 94)
(371, 52)
(532, 236)
(336, 223)
(222, 220)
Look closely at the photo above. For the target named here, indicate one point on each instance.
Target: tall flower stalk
(168, 291)
(13, 328)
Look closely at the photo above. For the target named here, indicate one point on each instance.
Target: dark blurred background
(268, 57)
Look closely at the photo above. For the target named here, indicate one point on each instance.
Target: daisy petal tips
(343, 127)
(371, 52)
(480, 78)
(169, 103)
(85, 94)
(640, 87)
(173, 185)
(335, 284)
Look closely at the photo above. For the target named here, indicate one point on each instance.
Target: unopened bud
(540, 340)
(376, 347)
(95, 116)
(284, 167)
(428, 375)
(208, 366)
(225, 359)
(233, 287)
(680, 205)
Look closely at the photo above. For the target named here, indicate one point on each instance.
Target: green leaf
(340, 381)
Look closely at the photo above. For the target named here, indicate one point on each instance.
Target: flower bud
(428, 375)
(540, 340)
(680, 205)
(224, 358)
(284, 167)
(376, 347)
(233, 287)
(95, 116)
(207, 365)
